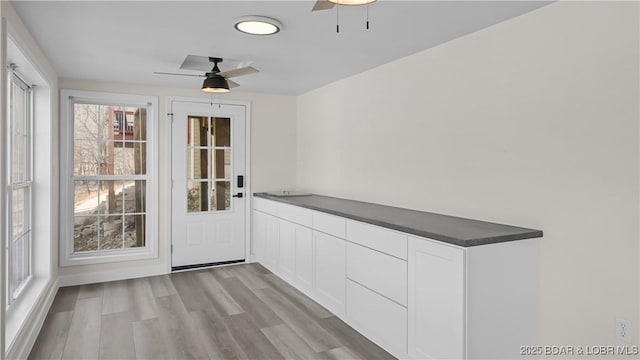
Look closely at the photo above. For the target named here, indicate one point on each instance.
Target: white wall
(531, 122)
(273, 144)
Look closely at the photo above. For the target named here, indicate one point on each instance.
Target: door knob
(238, 195)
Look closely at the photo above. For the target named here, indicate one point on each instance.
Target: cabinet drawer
(375, 237)
(295, 214)
(266, 206)
(377, 317)
(382, 273)
(330, 224)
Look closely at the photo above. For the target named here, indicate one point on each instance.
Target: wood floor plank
(50, 342)
(149, 340)
(180, 332)
(116, 336)
(116, 297)
(241, 273)
(162, 286)
(65, 299)
(251, 340)
(219, 342)
(290, 345)
(190, 291)
(218, 297)
(261, 313)
(306, 327)
(83, 340)
(341, 353)
(90, 291)
(142, 302)
(221, 272)
(356, 342)
(297, 298)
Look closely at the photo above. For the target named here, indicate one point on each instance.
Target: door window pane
(221, 132)
(221, 196)
(197, 196)
(197, 130)
(221, 164)
(197, 164)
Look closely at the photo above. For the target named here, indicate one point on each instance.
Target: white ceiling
(126, 41)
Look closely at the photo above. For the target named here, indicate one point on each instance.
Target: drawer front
(377, 317)
(266, 206)
(330, 224)
(295, 214)
(375, 237)
(382, 273)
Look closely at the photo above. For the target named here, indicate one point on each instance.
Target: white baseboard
(113, 275)
(28, 333)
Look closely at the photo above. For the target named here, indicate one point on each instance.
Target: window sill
(108, 257)
(20, 312)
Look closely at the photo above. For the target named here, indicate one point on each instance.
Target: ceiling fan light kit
(215, 84)
(257, 25)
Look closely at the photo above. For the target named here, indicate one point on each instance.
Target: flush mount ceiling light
(352, 2)
(257, 25)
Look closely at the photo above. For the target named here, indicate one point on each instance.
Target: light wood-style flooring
(235, 312)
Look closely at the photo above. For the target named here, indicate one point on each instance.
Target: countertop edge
(526, 234)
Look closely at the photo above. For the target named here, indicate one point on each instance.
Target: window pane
(221, 196)
(111, 201)
(19, 134)
(86, 158)
(140, 124)
(110, 232)
(197, 164)
(197, 131)
(135, 158)
(221, 164)
(20, 211)
(221, 132)
(85, 197)
(85, 233)
(20, 267)
(87, 122)
(135, 196)
(112, 156)
(197, 196)
(134, 231)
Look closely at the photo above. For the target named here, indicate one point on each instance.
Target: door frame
(247, 170)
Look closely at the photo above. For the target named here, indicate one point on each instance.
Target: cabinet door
(271, 242)
(304, 257)
(287, 247)
(330, 271)
(436, 300)
(258, 233)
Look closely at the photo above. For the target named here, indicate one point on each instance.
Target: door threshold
(206, 265)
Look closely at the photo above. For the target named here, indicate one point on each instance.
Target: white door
(207, 167)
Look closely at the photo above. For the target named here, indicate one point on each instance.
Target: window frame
(67, 256)
(13, 294)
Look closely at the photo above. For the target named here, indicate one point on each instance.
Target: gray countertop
(448, 229)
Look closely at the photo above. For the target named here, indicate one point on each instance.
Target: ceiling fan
(215, 81)
(329, 4)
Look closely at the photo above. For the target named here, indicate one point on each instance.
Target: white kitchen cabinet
(380, 319)
(329, 256)
(272, 245)
(413, 296)
(258, 233)
(304, 258)
(287, 249)
(436, 300)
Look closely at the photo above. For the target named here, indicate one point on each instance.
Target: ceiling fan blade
(166, 73)
(202, 63)
(323, 5)
(238, 72)
(232, 84)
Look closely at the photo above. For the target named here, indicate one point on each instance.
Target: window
(110, 175)
(20, 186)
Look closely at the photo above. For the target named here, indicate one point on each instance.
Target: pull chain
(368, 16)
(338, 17)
